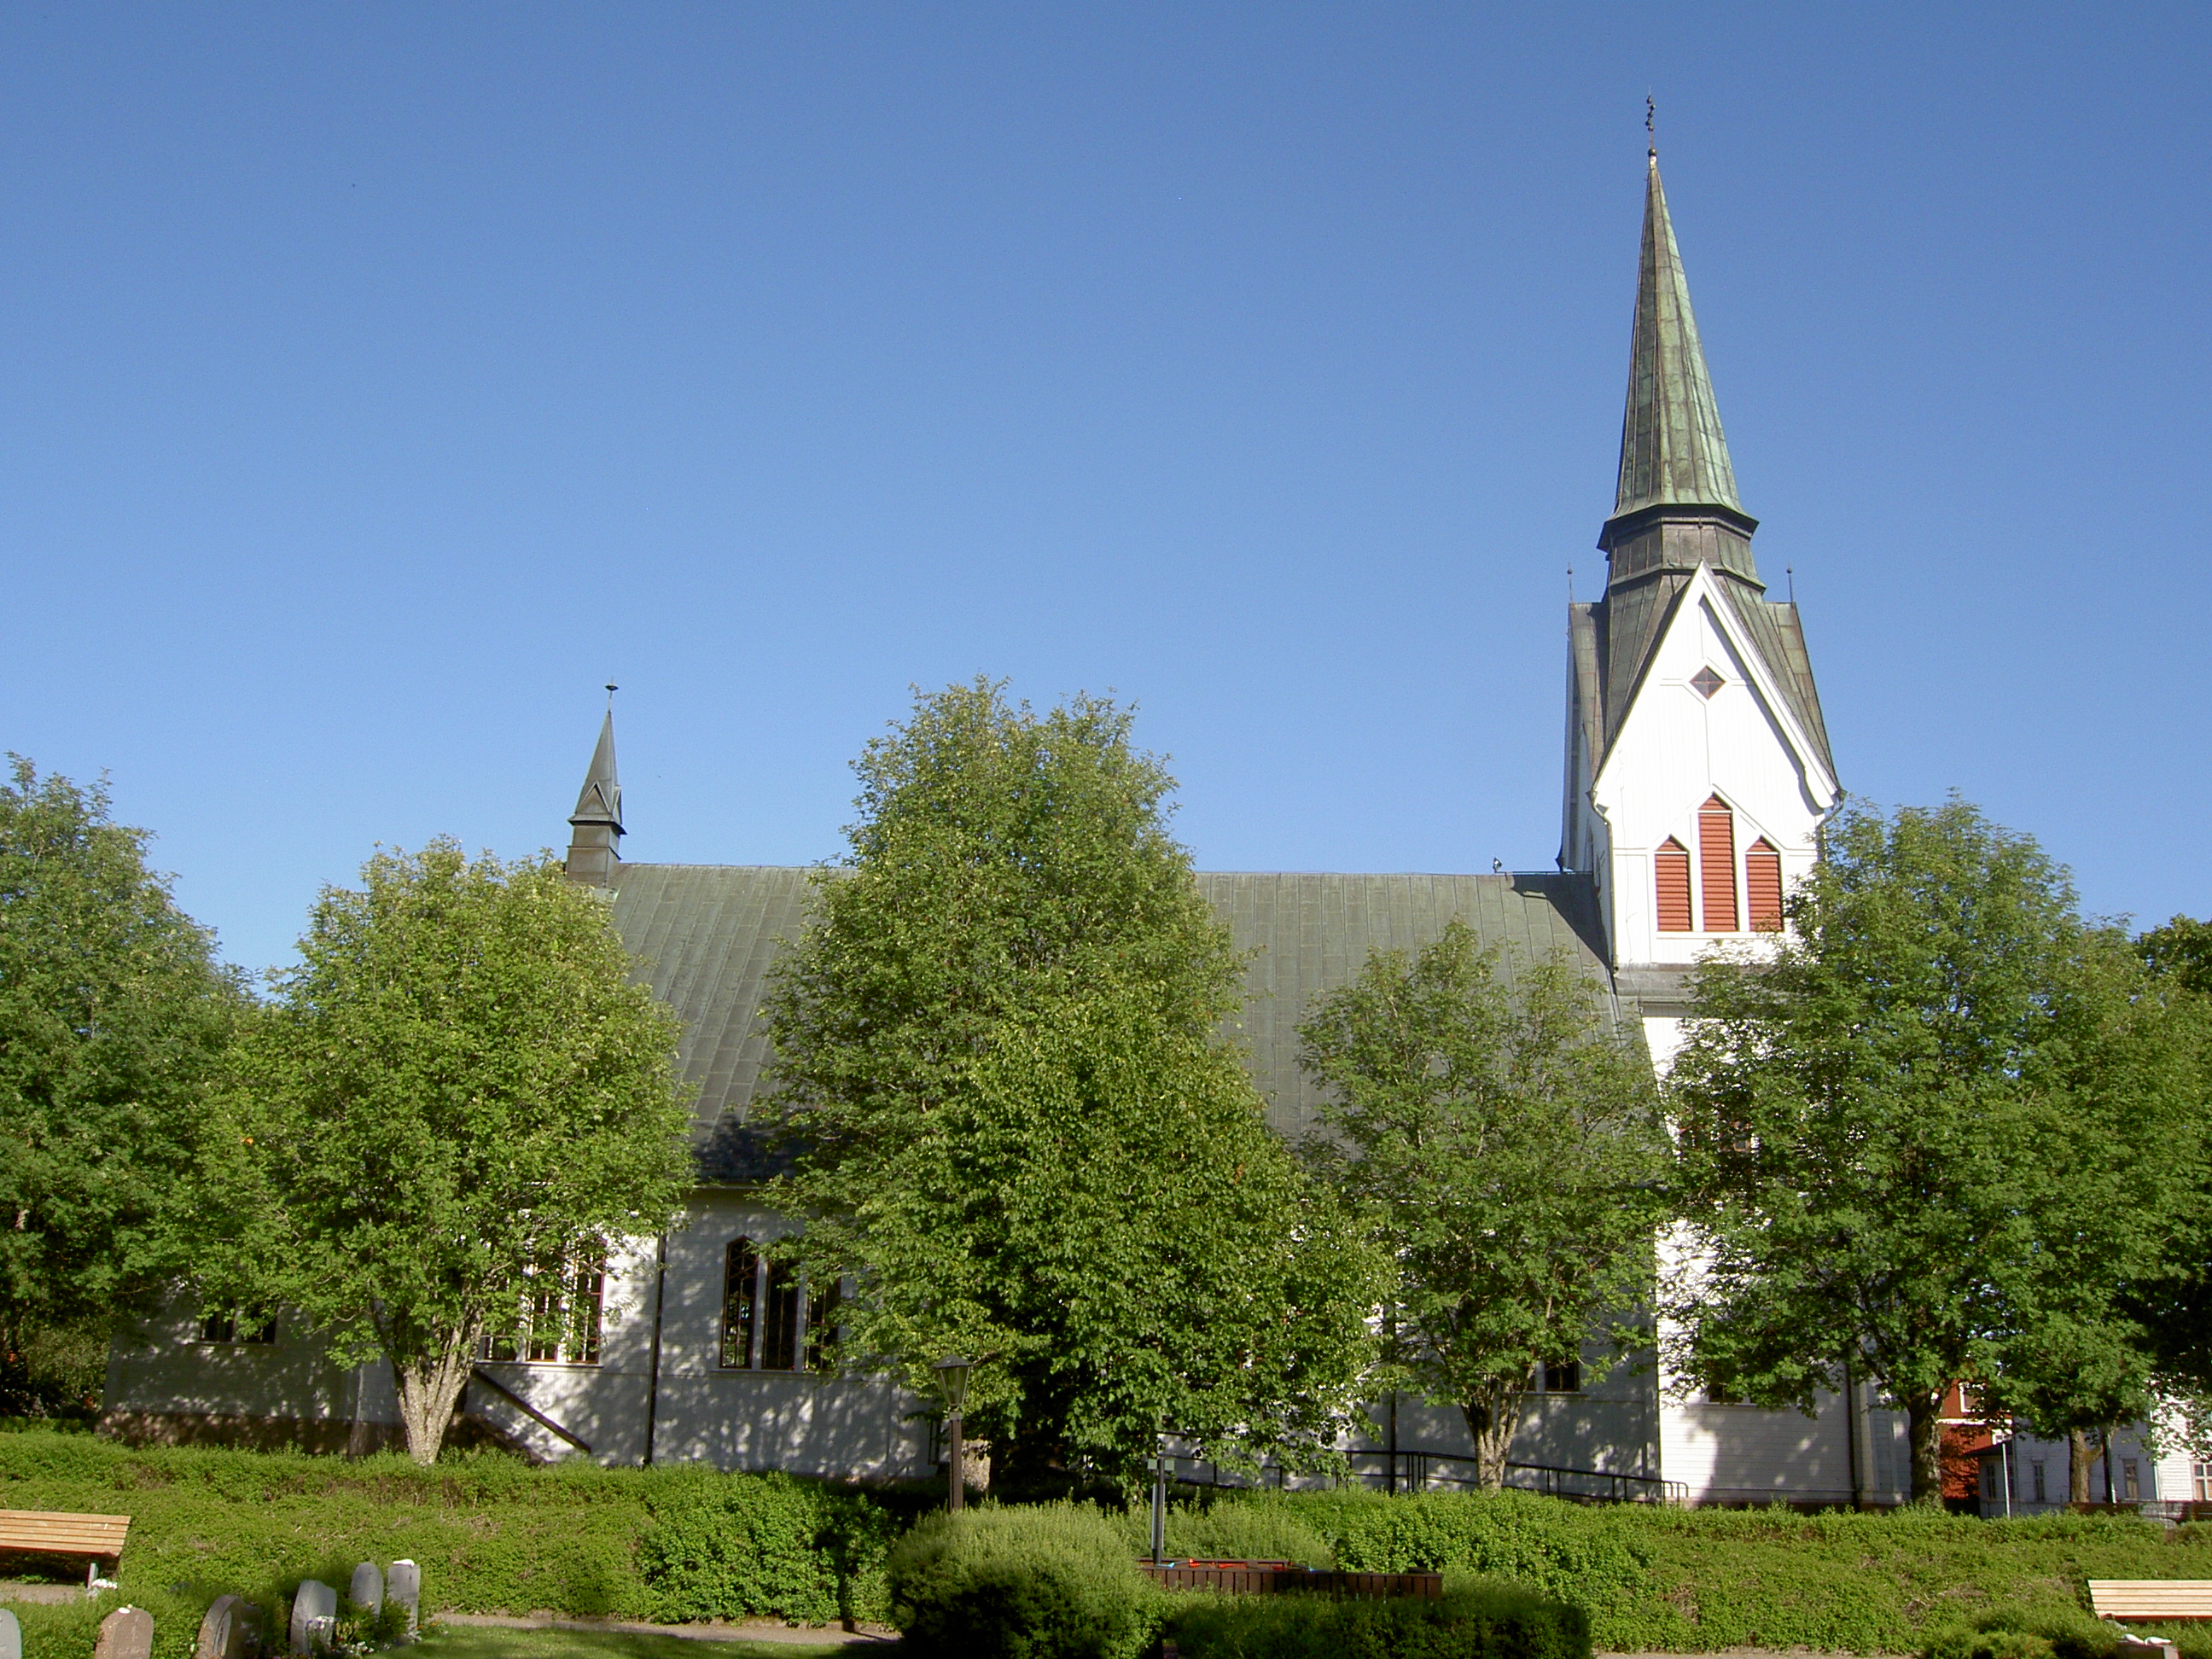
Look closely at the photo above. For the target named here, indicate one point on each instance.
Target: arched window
(822, 1327)
(1716, 864)
(1672, 867)
(780, 1319)
(740, 1271)
(1762, 886)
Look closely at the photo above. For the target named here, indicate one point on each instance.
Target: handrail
(1413, 1467)
(478, 1374)
(1551, 1479)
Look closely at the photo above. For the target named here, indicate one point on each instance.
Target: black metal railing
(1423, 1471)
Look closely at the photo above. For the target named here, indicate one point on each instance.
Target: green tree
(1506, 1149)
(1018, 1132)
(457, 1100)
(2175, 1304)
(113, 1020)
(1911, 1146)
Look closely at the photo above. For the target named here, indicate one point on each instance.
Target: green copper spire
(1672, 452)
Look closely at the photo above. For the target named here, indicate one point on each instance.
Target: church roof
(706, 934)
(1671, 448)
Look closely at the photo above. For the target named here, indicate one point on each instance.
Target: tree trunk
(1923, 1420)
(2078, 1461)
(1492, 1416)
(430, 1386)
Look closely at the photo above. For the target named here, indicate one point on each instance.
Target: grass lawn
(479, 1642)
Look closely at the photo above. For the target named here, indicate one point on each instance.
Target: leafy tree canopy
(113, 1020)
(1017, 1129)
(1920, 1145)
(1507, 1150)
(2175, 1306)
(457, 1104)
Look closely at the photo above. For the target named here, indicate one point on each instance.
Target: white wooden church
(1698, 775)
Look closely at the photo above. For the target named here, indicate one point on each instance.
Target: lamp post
(952, 1383)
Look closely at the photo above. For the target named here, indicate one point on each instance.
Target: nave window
(241, 1325)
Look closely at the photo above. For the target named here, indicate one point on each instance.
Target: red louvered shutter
(1762, 886)
(1673, 864)
(1716, 864)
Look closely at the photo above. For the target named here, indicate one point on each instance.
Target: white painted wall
(1675, 749)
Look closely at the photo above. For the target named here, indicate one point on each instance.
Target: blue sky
(376, 382)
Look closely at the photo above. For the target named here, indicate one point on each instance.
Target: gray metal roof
(708, 933)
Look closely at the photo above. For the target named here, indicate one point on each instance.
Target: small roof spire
(594, 848)
(600, 800)
(1671, 448)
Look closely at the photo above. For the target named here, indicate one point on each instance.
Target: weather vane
(611, 689)
(1651, 123)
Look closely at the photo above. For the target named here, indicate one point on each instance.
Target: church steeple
(1675, 505)
(1672, 449)
(1684, 639)
(594, 848)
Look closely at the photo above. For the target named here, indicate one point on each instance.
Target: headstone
(11, 1636)
(367, 1591)
(231, 1630)
(405, 1586)
(315, 1610)
(126, 1633)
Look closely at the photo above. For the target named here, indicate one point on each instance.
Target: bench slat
(41, 1531)
(2151, 1598)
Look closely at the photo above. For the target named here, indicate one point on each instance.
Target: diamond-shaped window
(1707, 681)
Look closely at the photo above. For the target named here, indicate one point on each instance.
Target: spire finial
(1651, 127)
(611, 689)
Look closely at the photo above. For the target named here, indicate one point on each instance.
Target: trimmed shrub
(1473, 1619)
(1260, 1527)
(1054, 1582)
(724, 1547)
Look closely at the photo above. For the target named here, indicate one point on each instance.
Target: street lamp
(952, 1383)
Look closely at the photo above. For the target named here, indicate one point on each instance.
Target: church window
(2202, 1474)
(1673, 871)
(566, 1302)
(1762, 886)
(239, 1325)
(740, 1291)
(1716, 864)
(1707, 682)
(2035, 1471)
(822, 1328)
(780, 1318)
(1562, 1376)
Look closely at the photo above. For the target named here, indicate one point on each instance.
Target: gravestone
(126, 1633)
(405, 1586)
(367, 1591)
(231, 1630)
(11, 1636)
(315, 1610)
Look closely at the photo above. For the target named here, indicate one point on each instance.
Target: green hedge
(492, 1534)
(1690, 1580)
(497, 1536)
(1054, 1581)
(1473, 1620)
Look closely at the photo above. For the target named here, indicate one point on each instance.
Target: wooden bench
(2157, 1600)
(37, 1532)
